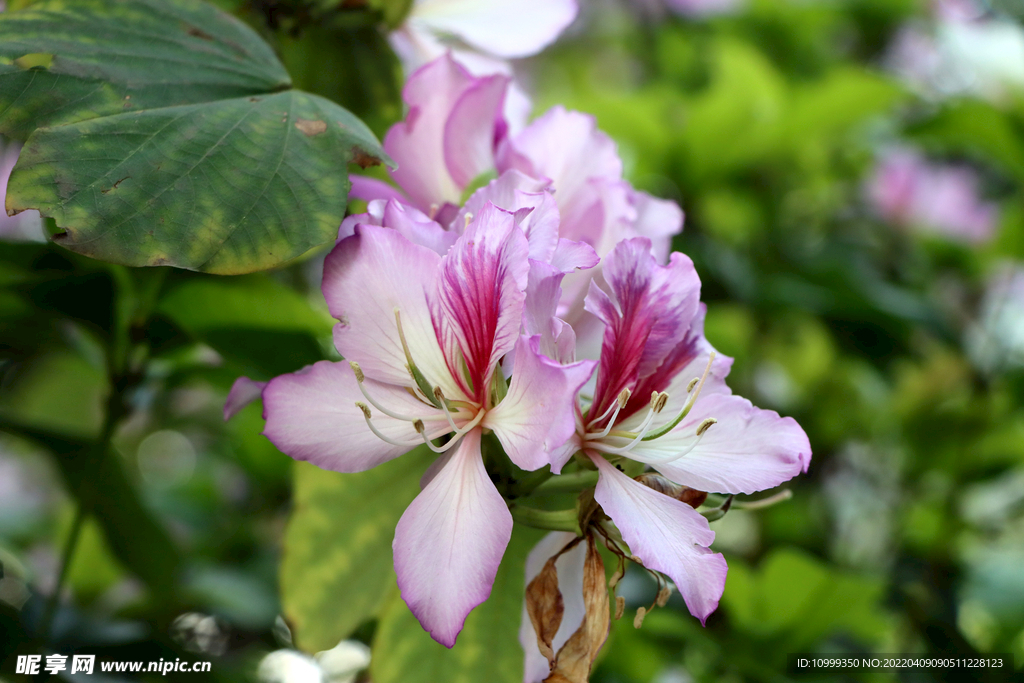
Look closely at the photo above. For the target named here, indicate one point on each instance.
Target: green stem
(566, 483)
(552, 520)
(69, 551)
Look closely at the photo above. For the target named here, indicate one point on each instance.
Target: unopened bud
(358, 370)
(692, 384)
(620, 607)
(705, 425)
(365, 408)
(663, 595)
(638, 620)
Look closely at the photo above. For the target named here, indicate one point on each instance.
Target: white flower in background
(996, 341)
(962, 52)
(483, 36)
(340, 664)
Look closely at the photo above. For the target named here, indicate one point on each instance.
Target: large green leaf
(68, 60)
(337, 566)
(226, 187)
(162, 136)
(262, 327)
(487, 649)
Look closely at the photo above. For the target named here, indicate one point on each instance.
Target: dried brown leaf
(576, 657)
(545, 606)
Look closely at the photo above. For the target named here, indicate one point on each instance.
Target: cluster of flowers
(516, 291)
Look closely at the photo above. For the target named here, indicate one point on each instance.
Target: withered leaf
(545, 606)
(685, 494)
(576, 657)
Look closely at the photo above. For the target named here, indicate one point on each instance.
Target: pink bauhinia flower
(455, 134)
(423, 334)
(650, 407)
(908, 191)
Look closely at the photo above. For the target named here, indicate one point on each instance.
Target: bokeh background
(851, 173)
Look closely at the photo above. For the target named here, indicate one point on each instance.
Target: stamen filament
(458, 434)
(669, 426)
(417, 376)
(439, 395)
(390, 413)
(386, 439)
(613, 410)
(622, 450)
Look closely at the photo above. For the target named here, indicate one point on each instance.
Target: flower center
(646, 431)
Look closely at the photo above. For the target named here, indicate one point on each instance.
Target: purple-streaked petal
(368, 276)
(570, 584)
(369, 189)
(647, 313)
(539, 413)
(473, 128)
(482, 289)
(312, 415)
(243, 392)
(687, 360)
(449, 543)
(514, 191)
(417, 144)
(658, 220)
(667, 535)
(747, 450)
(505, 28)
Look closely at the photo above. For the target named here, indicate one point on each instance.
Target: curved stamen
(439, 395)
(459, 433)
(367, 414)
(414, 372)
(657, 404)
(613, 410)
(390, 413)
(669, 426)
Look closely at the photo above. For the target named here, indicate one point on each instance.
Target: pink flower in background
(560, 165)
(906, 190)
(424, 334)
(703, 8)
(661, 399)
(483, 36)
(27, 225)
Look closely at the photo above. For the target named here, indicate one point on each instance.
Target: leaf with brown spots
(165, 133)
(311, 128)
